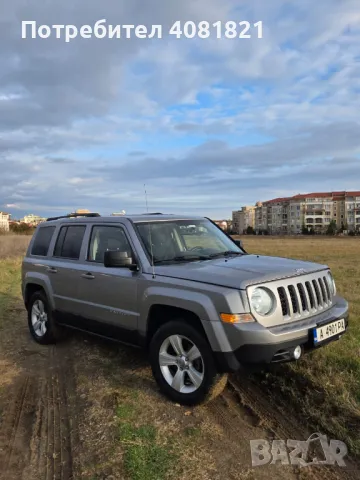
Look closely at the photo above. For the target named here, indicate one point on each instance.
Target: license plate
(329, 330)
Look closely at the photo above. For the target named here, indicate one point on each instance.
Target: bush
(22, 228)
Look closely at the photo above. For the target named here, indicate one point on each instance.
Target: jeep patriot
(181, 288)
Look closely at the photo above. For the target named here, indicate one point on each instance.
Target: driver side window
(105, 238)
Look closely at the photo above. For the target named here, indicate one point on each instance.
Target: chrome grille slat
(303, 298)
(327, 288)
(318, 293)
(310, 291)
(323, 290)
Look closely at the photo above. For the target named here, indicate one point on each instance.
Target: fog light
(297, 352)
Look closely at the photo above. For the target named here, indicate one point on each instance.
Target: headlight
(331, 283)
(262, 301)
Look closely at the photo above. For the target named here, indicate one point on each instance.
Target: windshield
(185, 240)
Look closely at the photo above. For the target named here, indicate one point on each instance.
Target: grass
(12, 249)
(325, 385)
(10, 284)
(145, 458)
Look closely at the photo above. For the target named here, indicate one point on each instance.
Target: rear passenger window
(68, 244)
(42, 241)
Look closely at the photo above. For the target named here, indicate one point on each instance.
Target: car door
(64, 268)
(108, 296)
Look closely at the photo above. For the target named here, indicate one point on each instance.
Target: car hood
(240, 271)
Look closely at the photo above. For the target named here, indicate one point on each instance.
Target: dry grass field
(121, 425)
(12, 246)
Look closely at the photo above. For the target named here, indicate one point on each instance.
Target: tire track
(240, 424)
(16, 417)
(16, 428)
(35, 433)
(280, 423)
(56, 424)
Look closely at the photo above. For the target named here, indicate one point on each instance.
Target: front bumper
(261, 346)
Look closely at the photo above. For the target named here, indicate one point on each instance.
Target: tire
(47, 332)
(197, 379)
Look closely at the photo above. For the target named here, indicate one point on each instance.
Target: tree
(331, 230)
(250, 230)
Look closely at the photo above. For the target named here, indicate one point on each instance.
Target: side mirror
(239, 243)
(117, 259)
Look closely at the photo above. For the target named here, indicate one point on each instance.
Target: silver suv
(183, 289)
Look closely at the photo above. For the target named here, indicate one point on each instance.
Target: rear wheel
(41, 322)
(183, 364)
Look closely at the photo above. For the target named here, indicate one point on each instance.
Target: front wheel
(183, 365)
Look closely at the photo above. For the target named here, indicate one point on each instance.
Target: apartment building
(4, 221)
(33, 220)
(289, 215)
(242, 219)
(313, 211)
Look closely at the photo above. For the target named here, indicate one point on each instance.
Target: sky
(208, 125)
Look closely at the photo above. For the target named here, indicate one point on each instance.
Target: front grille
(304, 298)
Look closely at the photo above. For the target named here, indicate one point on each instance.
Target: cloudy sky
(208, 124)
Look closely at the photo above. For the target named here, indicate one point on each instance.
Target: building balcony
(315, 211)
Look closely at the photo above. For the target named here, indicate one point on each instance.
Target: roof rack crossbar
(74, 215)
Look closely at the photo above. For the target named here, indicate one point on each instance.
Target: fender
(195, 302)
(41, 280)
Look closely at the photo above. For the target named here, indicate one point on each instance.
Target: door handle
(51, 270)
(88, 276)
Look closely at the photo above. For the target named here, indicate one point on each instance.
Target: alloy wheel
(181, 364)
(39, 318)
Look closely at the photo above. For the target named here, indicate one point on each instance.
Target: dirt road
(60, 416)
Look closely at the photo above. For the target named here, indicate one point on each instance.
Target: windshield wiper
(227, 253)
(184, 258)
(193, 256)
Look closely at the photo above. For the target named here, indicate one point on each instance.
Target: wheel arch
(37, 283)
(160, 314)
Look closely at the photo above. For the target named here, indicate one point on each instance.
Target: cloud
(208, 124)
(12, 205)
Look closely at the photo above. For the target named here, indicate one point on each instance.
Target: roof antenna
(150, 240)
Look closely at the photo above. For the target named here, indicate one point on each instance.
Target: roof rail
(74, 215)
(155, 213)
